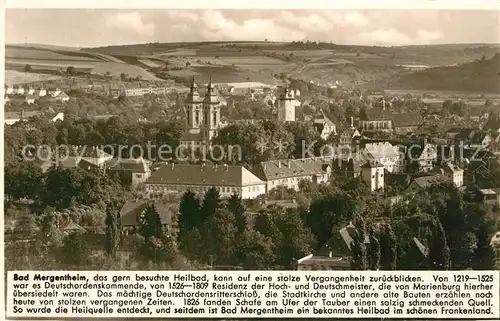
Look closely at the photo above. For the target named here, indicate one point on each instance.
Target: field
(13, 77)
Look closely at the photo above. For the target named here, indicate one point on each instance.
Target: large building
(202, 117)
(289, 172)
(179, 178)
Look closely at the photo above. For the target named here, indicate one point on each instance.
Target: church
(202, 117)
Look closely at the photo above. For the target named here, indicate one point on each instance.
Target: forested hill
(481, 76)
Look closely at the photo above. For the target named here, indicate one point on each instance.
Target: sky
(104, 27)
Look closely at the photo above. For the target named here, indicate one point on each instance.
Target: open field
(30, 53)
(13, 77)
(99, 67)
(223, 75)
(252, 60)
(149, 63)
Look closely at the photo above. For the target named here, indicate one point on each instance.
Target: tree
(70, 70)
(28, 68)
(211, 203)
(388, 251)
(439, 252)
(188, 64)
(484, 256)
(358, 250)
(221, 233)
(74, 252)
(150, 223)
(235, 206)
(255, 251)
(189, 216)
(373, 251)
(113, 229)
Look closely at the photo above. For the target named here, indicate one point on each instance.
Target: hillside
(480, 76)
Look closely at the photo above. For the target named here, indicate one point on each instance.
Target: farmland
(13, 77)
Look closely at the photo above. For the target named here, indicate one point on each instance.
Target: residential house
(289, 172)
(92, 157)
(454, 174)
(54, 92)
(62, 97)
(135, 168)
(9, 90)
(347, 136)
(228, 179)
(42, 92)
(131, 212)
(491, 196)
(31, 91)
(11, 118)
(30, 99)
(385, 154)
(19, 90)
(324, 126)
(373, 174)
(423, 182)
(481, 140)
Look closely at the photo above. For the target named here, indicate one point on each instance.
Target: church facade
(202, 117)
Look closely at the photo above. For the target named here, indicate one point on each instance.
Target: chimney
(279, 164)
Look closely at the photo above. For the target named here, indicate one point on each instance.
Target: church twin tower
(203, 113)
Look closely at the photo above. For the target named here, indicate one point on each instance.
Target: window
(214, 117)
(206, 118)
(189, 119)
(197, 118)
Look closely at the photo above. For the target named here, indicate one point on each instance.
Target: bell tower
(194, 109)
(211, 112)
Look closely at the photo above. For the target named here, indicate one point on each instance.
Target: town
(295, 171)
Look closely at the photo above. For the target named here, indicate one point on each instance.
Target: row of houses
(10, 118)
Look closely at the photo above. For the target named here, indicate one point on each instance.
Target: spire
(194, 87)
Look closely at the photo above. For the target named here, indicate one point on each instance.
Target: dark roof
(372, 164)
(132, 210)
(426, 181)
(86, 165)
(285, 168)
(203, 175)
(406, 120)
(134, 165)
(377, 114)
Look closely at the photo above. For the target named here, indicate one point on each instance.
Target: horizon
(90, 28)
(257, 41)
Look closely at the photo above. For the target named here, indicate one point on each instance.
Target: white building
(386, 155)
(135, 167)
(179, 178)
(289, 172)
(454, 174)
(324, 125)
(286, 106)
(373, 175)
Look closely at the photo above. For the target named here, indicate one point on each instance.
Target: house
(135, 168)
(373, 175)
(9, 90)
(71, 227)
(62, 97)
(227, 179)
(289, 172)
(491, 196)
(346, 136)
(19, 90)
(131, 212)
(42, 92)
(93, 158)
(454, 174)
(54, 92)
(30, 99)
(31, 91)
(423, 182)
(481, 140)
(11, 118)
(406, 123)
(324, 126)
(385, 154)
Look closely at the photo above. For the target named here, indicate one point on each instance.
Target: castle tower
(373, 175)
(286, 106)
(194, 109)
(211, 112)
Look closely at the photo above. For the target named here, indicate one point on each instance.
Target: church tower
(286, 106)
(211, 113)
(194, 109)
